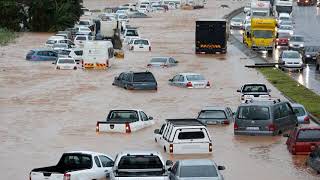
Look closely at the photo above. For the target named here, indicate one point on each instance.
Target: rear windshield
(253, 113)
(309, 135)
(254, 88)
(31, 52)
(212, 115)
(143, 77)
(140, 162)
(141, 41)
(123, 116)
(158, 60)
(297, 38)
(132, 33)
(51, 41)
(84, 23)
(292, 54)
(299, 111)
(78, 53)
(81, 38)
(76, 161)
(191, 135)
(195, 78)
(198, 171)
(66, 61)
(64, 52)
(283, 35)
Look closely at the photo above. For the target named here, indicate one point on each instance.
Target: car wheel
(164, 149)
(317, 67)
(155, 139)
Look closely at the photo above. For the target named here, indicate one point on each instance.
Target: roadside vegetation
(6, 36)
(293, 89)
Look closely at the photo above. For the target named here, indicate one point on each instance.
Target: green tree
(11, 14)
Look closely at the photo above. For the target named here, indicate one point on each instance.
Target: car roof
(254, 84)
(42, 49)
(296, 105)
(163, 57)
(185, 122)
(196, 162)
(119, 109)
(65, 58)
(186, 74)
(139, 152)
(84, 152)
(262, 103)
(213, 108)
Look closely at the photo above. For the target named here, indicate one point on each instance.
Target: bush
(6, 36)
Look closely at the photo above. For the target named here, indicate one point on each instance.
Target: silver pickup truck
(140, 166)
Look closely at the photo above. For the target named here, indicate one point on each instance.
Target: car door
(181, 81)
(145, 119)
(292, 118)
(98, 171)
(52, 56)
(229, 114)
(107, 164)
(279, 117)
(175, 80)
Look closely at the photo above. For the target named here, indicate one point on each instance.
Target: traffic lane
(56, 111)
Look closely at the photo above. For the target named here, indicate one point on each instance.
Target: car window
(291, 54)
(132, 33)
(162, 128)
(308, 135)
(195, 77)
(176, 78)
(66, 61)
(144, 117)
(105, 161)
(43, 53)
(212, 114)
(96, 160)
(79, 53)
(140, 162)
(254, 88)
(191, 135)
(76, 160)
(159, 60)
(284, 111)
(299, 111)
(31, 52)
(141, 41)
(254, 113)
(277, 112)
(198, 171)
(175, 168)
(64, 52)
(121, 76)
(51, 41)
(123, 116)
(181, 78)
(171, 60)
(143, 77)
(81, 38)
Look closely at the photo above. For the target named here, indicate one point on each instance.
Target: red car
(303, 140)
(282, 40)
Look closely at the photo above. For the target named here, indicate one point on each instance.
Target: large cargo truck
(211, 36)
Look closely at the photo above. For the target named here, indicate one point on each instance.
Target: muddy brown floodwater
(45, 112)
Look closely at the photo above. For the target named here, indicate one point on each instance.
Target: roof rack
(185, 122)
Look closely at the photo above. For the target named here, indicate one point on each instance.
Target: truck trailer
(211, 36)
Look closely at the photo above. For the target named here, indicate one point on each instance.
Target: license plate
(111, 126)
(253, 128)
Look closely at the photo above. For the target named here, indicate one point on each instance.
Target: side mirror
(286, 135)
(269, 90)
(220, 168)
(53, 62)
(150, 118)
(156, 131)
(169, 163)
(177, 61)
(238, 90)
(170, 80)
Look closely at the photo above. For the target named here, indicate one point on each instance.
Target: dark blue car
(42, 55)
(136, 81)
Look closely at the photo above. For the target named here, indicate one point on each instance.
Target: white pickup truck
(140, 165)
(124, 121)
(76, 165)
(256, 92)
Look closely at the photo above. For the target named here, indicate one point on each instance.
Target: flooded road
(45, 112)
(309, 78)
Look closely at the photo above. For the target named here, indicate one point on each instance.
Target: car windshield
(143, 77)
(307, 135)
(60, 45)
(143, 6)
(84, 23)
(212, 114)
(286, 23)
(198, 171)
(78, 53)
(81, 38)
(123, 116)
(286, 27)
(284, 35)
(191, 135)
(290, 55)
(123, 17)
(299, 111)
(259, 14)
(159, 60)
(51, 41)
(141, 41)
(195, 77)
(254, 88)
(132, 33)
(66, 61)
(297, 38)
(253, 113)
(262, 34)
(284, 18)
(84, 29)
(140, 162)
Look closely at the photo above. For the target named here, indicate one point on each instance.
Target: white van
(97, 54)
(53, 40)
(184, 136)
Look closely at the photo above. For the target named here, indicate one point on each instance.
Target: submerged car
(189, 80)
(136, 81)
(314, 160)
(236, 23)
(66, 64)
(42, 55)
(296, 42)
(310, 53)
(211, 115)
(301, 113)
(291, 60)
(162, 62)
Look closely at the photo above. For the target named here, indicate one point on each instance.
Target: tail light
(210, 147)
(75, 68)
(277, 40)
(66, 176)
(171, 148)
(149, 65)
(189, 84)
(149, 48)
(235, 126)
(306, 119)
(272, 127)
(128, 129)
(312, 147)
(226, 122)
(208, 84)
(97, 127)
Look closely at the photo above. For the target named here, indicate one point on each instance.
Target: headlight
(290, 44)
(307, 55)
(301, 45)
(291, 33)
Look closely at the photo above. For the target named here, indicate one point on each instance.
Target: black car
(314, 160)
(136, 81)
(310, 53)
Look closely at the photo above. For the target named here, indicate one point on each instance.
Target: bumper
(254, 133)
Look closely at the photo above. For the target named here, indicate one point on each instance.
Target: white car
(184, 136)
(172, 5)
(66, 64)
(124, 121)
(123, 18)
(236, 23)
(84, 31)
(86, 12)
(75, 165)
(143, 8)
(130, 33)
(74, 53)
(189, 80)
(140, 45)
(285, 29)
(284, 17)
(122, 11)
(130, 43)
(254, 91)
(79, 40)
(60, 46)
(84, 23)
(53, 40)
(291, 60)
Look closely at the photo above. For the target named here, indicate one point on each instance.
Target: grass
(6, 36)
(292, 89)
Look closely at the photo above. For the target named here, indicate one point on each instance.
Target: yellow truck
(261, 35)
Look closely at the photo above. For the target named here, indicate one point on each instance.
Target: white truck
(282, 6)
(124, 121)
(253, 91)
(184, 136)
(140, 165)
(97, 54)
(260, 8)
(76, 165)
